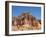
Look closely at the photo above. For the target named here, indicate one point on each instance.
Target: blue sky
(35, 11)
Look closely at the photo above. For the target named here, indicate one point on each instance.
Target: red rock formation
(27, 20)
